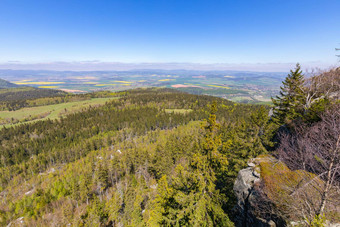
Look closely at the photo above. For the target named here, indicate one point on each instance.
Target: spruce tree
(289, 104)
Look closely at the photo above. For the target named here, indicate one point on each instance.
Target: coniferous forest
(161, 157)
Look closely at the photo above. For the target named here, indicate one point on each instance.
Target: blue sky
(195, 31)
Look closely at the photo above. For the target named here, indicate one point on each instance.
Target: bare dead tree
(322, 84)
(314, 153)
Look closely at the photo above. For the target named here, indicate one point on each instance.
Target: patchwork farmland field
(246, 87)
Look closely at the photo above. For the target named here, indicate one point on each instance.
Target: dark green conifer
(289, 104)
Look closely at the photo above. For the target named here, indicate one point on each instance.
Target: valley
(245, 87)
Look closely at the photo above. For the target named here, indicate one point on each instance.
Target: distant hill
(6, 84)
(14, 97)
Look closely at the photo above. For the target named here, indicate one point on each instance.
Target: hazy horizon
(120, 66)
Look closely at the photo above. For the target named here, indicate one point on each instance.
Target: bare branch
(315, 151)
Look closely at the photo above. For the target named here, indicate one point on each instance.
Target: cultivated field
(247, 87)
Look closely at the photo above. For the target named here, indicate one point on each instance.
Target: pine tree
(289, 104)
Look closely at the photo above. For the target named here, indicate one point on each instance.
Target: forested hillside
(160, 157)
(148, 158)
(6, 84)
(19, 97)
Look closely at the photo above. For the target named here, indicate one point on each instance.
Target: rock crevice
(246, 195)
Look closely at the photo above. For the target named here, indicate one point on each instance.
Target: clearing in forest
(55, 111)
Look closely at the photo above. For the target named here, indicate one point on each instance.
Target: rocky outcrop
(270, 194)
(247, 197)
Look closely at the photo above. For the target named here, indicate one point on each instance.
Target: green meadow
(55, 111)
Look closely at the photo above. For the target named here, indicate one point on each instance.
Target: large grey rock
(246, 198)
(244, 184)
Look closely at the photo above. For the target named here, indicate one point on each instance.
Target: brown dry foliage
(316, 150)
(324, 83)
